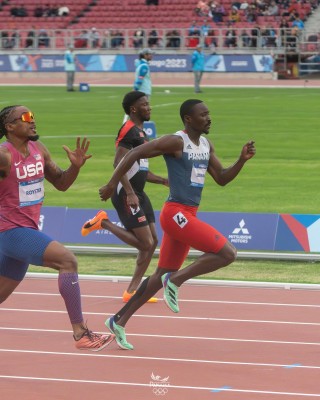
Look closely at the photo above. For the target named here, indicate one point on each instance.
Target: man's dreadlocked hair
(3, 119)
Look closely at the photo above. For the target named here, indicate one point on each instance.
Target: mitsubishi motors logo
(241, 228)
(240, 234)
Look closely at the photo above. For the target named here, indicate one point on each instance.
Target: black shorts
(133, 218)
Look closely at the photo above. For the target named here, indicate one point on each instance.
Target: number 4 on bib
(180, 219)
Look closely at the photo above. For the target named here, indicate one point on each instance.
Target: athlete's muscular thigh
(59, 257)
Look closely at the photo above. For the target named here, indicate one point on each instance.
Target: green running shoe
(170, 293)
(120, 334)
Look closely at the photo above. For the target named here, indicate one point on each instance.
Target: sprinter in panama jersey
(189, 156)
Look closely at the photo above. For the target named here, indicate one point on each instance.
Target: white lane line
(257, 321)
(5, 328)
(169, 387)
(178, 360)
(182, 300)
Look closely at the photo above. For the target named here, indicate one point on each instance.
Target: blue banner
(126, 63)
(52, 221)
(246, 231)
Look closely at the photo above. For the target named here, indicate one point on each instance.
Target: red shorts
(182, 230)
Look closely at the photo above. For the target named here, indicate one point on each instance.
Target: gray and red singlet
(187, 174)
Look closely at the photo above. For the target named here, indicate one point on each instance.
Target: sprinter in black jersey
(129, 199)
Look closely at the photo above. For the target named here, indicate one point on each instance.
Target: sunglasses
(25, 117)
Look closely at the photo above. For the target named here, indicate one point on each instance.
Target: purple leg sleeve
(70, 291)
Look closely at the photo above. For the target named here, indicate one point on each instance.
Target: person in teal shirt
(142, 77)
(70, 67)
(197, 62)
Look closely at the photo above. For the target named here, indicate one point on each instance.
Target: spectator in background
(173, 39)
(231, 38)
(19, 11)
(298, 22)
(245, 38)
(63, 11)
(4, 39)
(94, 38)
(292, 40)
(70, 67)
(261, 6)
(284, 30)
(255, 35)
(271, 37)
(244, 5)
(43, 38)
(152, 2)
(49, 11)
(234, 15)
(116, 39)
(197, 62)
(105, 43)
(284, 3)
(211, 41)
(251, 13)
(82, 40)
(205, 28)
(294, 7)
(202, 8)
(31, 38)
(273, 9)
(153, 38)
(217, 12)
(38, 12)
(15, 39)
(194, 29)
(138, 38)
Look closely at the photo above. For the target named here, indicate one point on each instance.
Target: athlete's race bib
(31, 192)
(144, 164)
(198, 174)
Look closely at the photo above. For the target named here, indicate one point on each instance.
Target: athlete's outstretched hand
(78, 156)
(106, 191)
(248, 151)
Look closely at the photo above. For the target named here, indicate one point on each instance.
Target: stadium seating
(127, 13)
(108, 15)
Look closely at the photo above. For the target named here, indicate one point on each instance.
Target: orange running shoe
(127, 296)
(93, 341)
(94, 223)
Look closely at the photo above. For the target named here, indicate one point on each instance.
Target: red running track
(227, 343)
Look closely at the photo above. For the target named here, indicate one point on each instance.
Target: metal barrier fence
(253, 255)
(225, 39)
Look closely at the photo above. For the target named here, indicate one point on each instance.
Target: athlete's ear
(187, 118)
(133, 109)
(8, 126)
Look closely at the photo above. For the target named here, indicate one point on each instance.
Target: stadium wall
(247, 231)
(227, 63)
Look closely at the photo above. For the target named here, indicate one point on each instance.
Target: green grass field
(285, 124)
(283, 177)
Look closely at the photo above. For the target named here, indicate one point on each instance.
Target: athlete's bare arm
(5, 163)
(169, 144)
(63, 179)
(153, 178)
(132, 198)
(225, 175)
